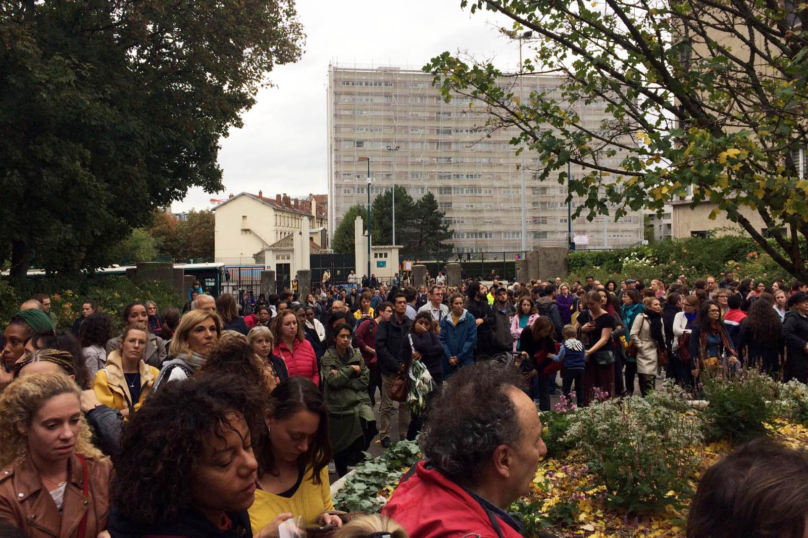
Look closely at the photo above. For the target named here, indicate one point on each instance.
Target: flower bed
(623, 468)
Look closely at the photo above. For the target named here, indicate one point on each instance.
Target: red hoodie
(429, 505)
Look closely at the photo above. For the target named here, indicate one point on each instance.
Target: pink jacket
(516, 332)
(302, 362)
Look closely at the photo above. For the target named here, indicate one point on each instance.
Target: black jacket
(431, 350)
(485, 332)
(766, 355)
(795, 336)
(392, 345)
(189, 523)
(107, 424)
(238, 325)
(668, 313)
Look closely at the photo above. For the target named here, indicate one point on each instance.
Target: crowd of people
(222, 420)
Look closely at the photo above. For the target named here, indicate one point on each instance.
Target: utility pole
(570, 242)
(393, 149)
(368, 188)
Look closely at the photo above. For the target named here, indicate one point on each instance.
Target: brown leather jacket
(26, 504)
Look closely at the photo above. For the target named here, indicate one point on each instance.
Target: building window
(702, 234)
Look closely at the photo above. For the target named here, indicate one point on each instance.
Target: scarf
(715, 329)
(36, 319)
(190, 364)
(690, 317)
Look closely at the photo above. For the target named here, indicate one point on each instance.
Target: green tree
(343, 242)
(140, 246)
(110, 108)
(164, 231)
(381, 218)
(431, 232)
(196, 237)
(705, 97)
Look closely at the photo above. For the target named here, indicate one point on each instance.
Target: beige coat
(646, 345)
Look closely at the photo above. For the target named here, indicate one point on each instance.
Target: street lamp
(394, 148)
(570, 242)
(520, 37)
(368, 189)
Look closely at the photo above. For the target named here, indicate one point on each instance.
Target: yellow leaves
(714, 214)
(730, 153)
(689, 149)
(723, 181)
(644, 137)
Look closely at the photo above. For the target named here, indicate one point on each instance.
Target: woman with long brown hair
(709, 342)
(760, 341)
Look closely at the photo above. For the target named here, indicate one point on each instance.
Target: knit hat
(36, 319)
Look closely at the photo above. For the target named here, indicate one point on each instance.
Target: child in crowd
(572, 355)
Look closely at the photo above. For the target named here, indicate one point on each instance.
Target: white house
(278, 233)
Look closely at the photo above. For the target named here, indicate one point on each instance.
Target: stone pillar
(303, 284)
(533, 266)
(178, 283)
(522, 271)
(453, 274)
(187, 282)
(418, 275)
(268, 286)
(553, 262)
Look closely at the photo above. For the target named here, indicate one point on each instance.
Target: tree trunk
(20, 259)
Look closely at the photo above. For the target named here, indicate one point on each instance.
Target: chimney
(231, 195)
(297, 203)
(278, 199)
(286, 201)
(260, 194)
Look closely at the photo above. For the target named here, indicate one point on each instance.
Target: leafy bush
(792, 401)
(111, 294)
(373, 481)
(555, 424)
(739, 410)
(641, 452)
(693, 257)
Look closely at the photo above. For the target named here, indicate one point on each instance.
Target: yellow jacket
(110, 385)
(307, 502)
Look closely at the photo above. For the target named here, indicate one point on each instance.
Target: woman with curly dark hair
(95, 331)
(293, 457)
(760, 342)
(186, 465)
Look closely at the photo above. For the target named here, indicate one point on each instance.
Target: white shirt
(437, 313)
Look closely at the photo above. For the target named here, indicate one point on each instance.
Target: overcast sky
(282, 146)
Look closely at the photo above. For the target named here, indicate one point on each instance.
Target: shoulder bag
(400, 386)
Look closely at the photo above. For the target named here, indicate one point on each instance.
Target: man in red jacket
(481, 443)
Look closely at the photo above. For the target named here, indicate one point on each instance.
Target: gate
(339, 265)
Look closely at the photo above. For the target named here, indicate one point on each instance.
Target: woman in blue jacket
(458, 334)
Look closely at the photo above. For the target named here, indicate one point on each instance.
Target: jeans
(387, 409)
(575, 375)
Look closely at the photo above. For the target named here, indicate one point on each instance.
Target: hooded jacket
(549, 309)
(110, 385)
(458, 341)
(429, 505)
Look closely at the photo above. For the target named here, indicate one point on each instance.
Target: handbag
(604, 357)
(662, 357)
(631, 350)
(400, 386)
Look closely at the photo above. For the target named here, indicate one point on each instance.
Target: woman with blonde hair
(371, 526)
(262, 341)
(197, 333)
(54, 482)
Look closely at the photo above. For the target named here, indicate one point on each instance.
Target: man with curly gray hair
(481, 443)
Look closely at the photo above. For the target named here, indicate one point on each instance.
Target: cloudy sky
(282, 147)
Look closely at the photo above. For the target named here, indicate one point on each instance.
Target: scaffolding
(444, 148)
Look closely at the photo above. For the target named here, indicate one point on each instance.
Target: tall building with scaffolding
(415, 139)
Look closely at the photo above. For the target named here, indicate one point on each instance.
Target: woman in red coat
(292, 346)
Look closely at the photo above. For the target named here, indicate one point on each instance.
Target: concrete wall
(686, 221)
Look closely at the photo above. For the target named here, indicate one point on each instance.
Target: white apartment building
(415, 139)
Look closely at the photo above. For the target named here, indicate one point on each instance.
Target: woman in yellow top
(126, 381)
(365, 311)
(293, 458)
